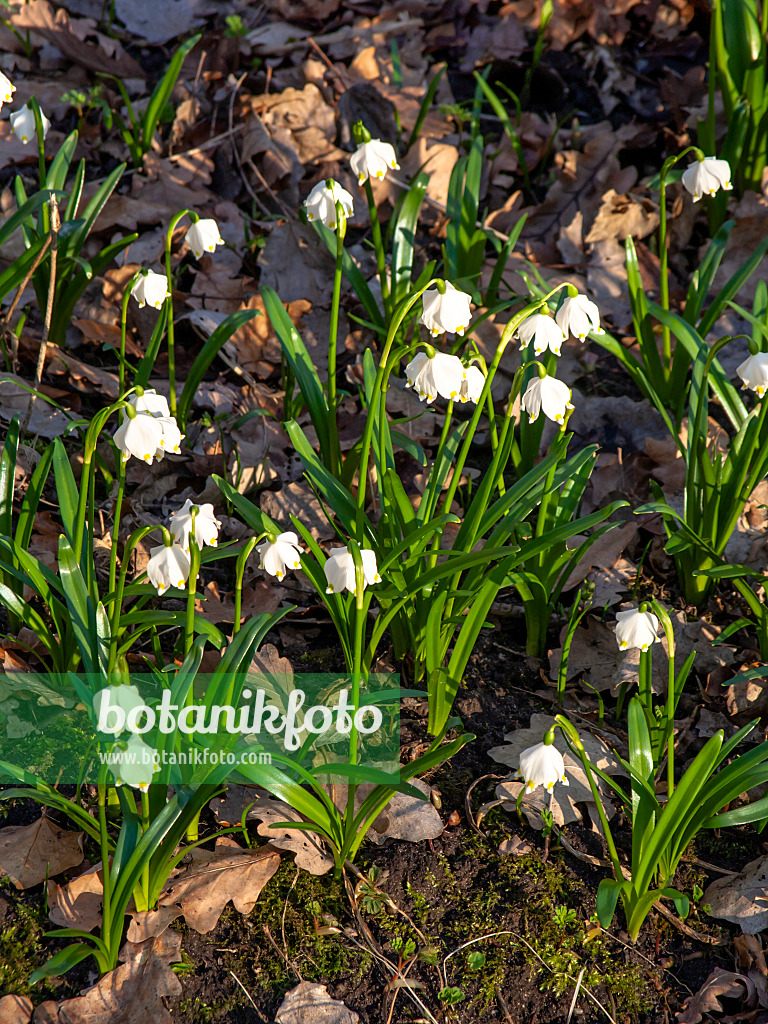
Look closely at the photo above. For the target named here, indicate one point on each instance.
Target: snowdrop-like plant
(168, 566)
(579, 316)
(542, 765)
(321, 203)
(445, 308)
(203, 236)
(206, 524)
(135, 764)
(340, 570)
(7, 89)
(23, 124)
(148, 400)
(373, 159)
(436, 374)
(141, 435)
(707, 176)
(124, 697)
(548, 395)
(279, 553)
(545, 332)
(754, 373)
(636, 629)
(151, 289)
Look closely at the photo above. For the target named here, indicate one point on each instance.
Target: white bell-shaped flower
(321, 203)
(203, 236)
(151, 289)
(636, 629)
(340, 570)
(440, 374)
(150, 401)
(373, 159)
(168, 567)
(706, 177)
(579, 316)
(135, 763)
(445, 311)
(207, 526)
(111, 706)
(472, 385)
(141, 436)
(7, 89)
(542, 765)
(754, 373)
(547, 394)
(278, 556)
(23, 124)
(172, 437)
(544, 331)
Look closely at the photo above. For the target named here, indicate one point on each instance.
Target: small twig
(575, 995)
(54, 239)
(280, 953)
(7, 330)
(250, 998)
(468, 802)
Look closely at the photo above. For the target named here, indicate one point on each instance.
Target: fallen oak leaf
(15, 1010)
(31, 853)
(719, 985)
(742, 899)
(78, 903)
(308, 847)
(309, 1003)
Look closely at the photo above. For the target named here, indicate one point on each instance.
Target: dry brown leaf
(607, 282)
(63, 363)
(141, 19)
(204, 888)
(78, 903)
(623, 215)
(302, 121)
(15, 1010)
(309, 1003)
(14, 399)
(742, 899)
(307, 846)
(515, 847)
(604, 20)
(298, 498)
(260, 596)
(603, 553)
(31, 853)
(69, 37)
(719, 985)
(131, 994)
(404, 817)
(295, 265)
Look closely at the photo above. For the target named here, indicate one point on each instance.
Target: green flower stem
(194, 568)
(333, 426)
(117, 598)
(669, 739)
(169, 302)
(34, 106)
(359, 636)
(644, 677)
(116, 521)
(242, 558)
(91, 438)
(378, 245)
(431, 496)
(123, 329)
(663, 271)
(145, 823)
(570, 732)
(106, 912)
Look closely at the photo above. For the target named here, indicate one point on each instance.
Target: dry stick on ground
(53, 207)
(250, 998)
(6, 329)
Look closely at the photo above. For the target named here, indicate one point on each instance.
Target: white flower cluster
(151, 432)
(170, 564)
(23, 119)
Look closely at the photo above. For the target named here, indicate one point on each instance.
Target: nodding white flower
(7, 89)
(472, 385)
(579, 315)
(168, 567)
(546, 334)
(445, 311)
(123, 698)
(135, 764)
(754, 373)
(547, 394)
(636, 629)
(340, 570)
(141, 436)
(278, 555)
(150, 401)
(171, 438)
(152, 289)
(321, 202)
(707, 176)
(203, 236)
(440, 374)
(23, 123)
(542, 765)
(207, 526)
(373, 159)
